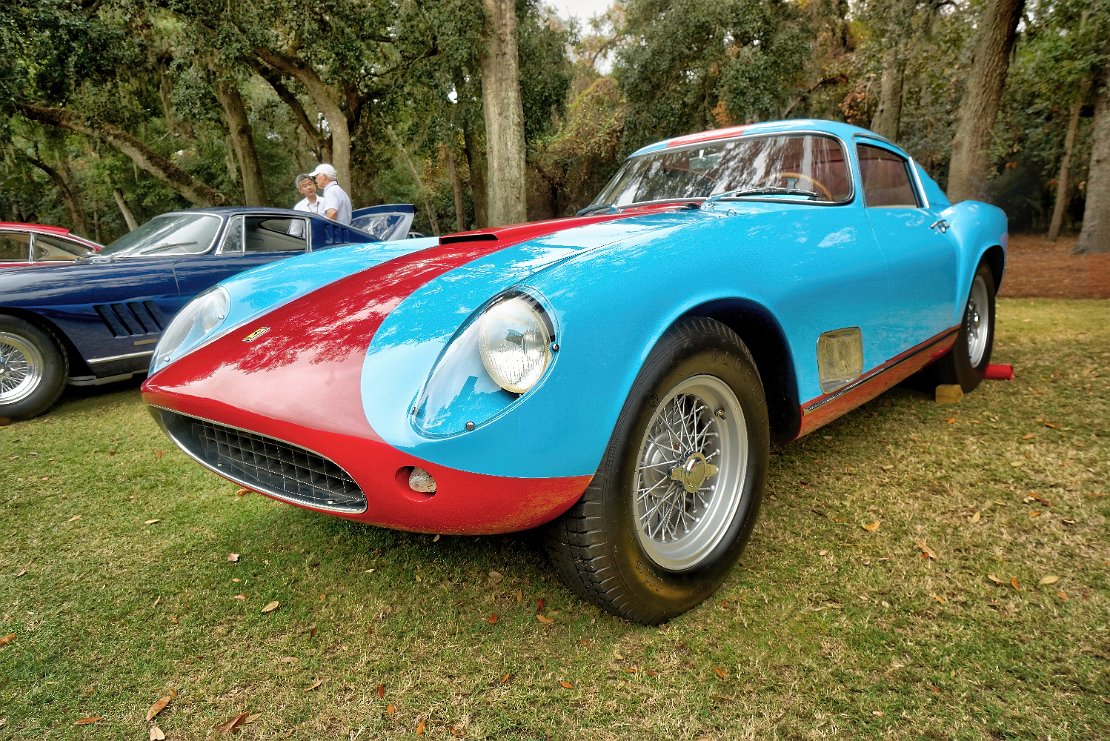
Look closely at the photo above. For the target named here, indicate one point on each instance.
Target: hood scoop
(457, 238)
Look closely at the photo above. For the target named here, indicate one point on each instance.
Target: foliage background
(403, 78)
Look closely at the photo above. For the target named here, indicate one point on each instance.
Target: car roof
(59, 231)
(836, 128)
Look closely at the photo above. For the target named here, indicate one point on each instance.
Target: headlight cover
(515, 344)
(192, 325)
(497, 356)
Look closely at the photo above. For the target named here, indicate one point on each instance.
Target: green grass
(825, 630)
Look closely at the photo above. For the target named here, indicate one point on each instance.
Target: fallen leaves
(229, 725)
(926, 551)
(544, 619)
(1045, 581)
(233, 558)
(270, 607)
(88, 721)
(242, 491)
(565, 684)
(152, 522)
(314, 685)
(160, 705)
(156, 734)
(872, 526)
(721, 673)
(7, 639)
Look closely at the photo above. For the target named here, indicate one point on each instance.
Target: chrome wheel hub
(690, 473)
(977, 321)
(21, 368)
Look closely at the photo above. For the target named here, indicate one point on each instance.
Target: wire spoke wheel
(692, 461)
(22, 366)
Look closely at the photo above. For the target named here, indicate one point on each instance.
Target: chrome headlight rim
(191, 327)
(526, 317)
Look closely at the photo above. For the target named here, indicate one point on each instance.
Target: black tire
(968, 359)
(33, 369)
(604, 547)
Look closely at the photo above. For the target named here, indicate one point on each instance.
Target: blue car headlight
(192, 326)
(514, 342)
(501, 353)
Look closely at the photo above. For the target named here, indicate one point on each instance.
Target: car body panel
(354, 352)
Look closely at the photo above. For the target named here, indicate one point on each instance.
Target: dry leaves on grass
(314, 685)
(565, 684)
(926, 551)
(232, 724)
(421, 726)
(7, 639)
(871, 526)
(1045, 581)
(544, 619)
(88, 721)
(720, 672)
(271, 606)
(233, 558)
(160, 705)
(156, 734)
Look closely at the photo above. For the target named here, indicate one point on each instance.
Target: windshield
(811, 167)
(169, 234)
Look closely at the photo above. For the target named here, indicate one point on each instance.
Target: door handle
(939, 224)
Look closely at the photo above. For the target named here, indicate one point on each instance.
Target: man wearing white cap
(337, 204)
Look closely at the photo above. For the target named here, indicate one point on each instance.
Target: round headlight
(515, 344)
(191, 325)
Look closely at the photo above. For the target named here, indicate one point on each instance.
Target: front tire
(967, 361)
(676, 496)
(33, 369)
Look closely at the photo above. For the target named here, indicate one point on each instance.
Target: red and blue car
(617, 376)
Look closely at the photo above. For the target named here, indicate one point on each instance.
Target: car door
(386, 222)
(919, 254)
(248, 240)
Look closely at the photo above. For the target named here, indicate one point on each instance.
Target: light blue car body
(782, 272)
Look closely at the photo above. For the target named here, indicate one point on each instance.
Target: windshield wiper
(594, 209)
(768, 190)
(161, 246)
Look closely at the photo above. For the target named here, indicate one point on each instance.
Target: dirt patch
(1037, 268)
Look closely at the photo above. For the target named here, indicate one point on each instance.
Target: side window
(53, 248)
(886, 178)
(14, 247)
(233, 242)
(272, 234)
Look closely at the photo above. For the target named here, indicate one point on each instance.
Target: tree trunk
(967, 170)
(888, 117)
(128, 217)
(504, 115)
(71, 197)
(416, 178)
(169, 174)
(456, 187)
(1095, 234)
(242, 143)
(321, 144)
(326, 99)
(1065, 165)
(476, 164)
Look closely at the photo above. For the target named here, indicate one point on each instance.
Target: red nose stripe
(306, 369)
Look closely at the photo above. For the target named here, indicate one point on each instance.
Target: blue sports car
(616, 377)
(97, 319)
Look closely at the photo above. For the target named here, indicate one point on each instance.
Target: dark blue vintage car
(98, 319)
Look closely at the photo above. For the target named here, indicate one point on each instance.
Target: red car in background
(36, 244)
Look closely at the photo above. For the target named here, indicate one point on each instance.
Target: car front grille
(264, 464)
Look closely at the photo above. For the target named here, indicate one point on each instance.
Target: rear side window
(15, 247)
(886, 178)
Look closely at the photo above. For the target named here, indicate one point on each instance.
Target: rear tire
(968, 359)
(33, 369)
(677, 493)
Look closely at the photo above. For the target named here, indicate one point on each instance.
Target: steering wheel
(817, 184)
